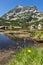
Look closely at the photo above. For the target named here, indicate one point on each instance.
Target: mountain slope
(29, 13)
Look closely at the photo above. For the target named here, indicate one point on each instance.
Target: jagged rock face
(29, 13)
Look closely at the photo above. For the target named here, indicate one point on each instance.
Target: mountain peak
(29, 13)
(19, 6)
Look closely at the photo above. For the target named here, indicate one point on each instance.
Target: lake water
(6, 43)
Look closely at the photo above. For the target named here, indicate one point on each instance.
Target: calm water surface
(6, 42)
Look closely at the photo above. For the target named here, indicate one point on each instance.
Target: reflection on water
(6, 42)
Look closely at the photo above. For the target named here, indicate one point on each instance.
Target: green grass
(38, 34)
(26, 57)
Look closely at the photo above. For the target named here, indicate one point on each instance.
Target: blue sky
(7, 5)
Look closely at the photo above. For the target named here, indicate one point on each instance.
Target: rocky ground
(5, 56)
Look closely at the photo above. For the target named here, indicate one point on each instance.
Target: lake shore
(35, 35)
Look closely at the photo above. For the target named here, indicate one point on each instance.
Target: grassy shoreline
(33, 35)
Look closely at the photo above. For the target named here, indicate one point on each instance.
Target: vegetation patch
(28, 56)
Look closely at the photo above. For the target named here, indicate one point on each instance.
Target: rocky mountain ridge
(28, 13)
